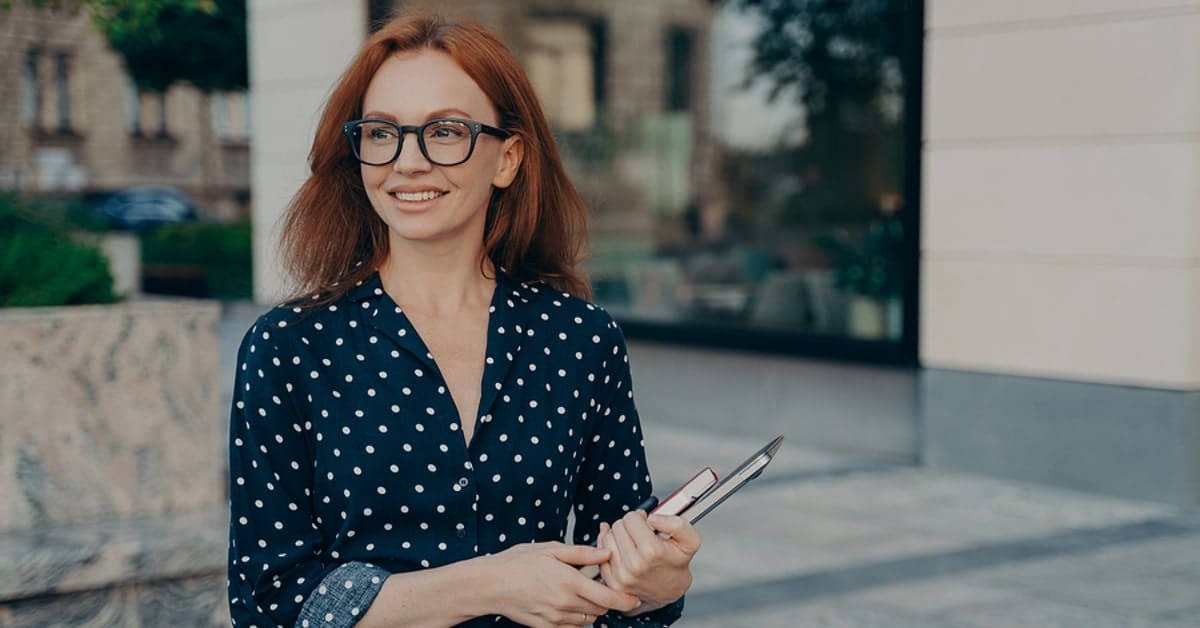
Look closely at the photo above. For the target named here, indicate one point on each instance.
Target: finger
(601, 595)
(578, 554)
(631, 561)
(605, 540)
(641, 532)
(683, 533)
(583, 606)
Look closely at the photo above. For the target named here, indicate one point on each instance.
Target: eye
(447, 131)
(380, 133)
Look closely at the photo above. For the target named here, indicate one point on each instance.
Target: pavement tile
(938, 597)
(1103, 580)
(1189, 617)
(1042, 614)
(822, 615)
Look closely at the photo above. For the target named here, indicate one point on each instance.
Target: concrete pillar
(298, 49)
(1060, 271)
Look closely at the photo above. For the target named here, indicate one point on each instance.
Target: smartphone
(687, 494)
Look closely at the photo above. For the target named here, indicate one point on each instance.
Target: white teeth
(427, 195)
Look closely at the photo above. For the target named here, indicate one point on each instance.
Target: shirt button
(461, 533)
(463, 482)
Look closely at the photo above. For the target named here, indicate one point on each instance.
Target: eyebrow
(440, 113)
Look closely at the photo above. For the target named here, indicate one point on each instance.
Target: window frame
(902, 352)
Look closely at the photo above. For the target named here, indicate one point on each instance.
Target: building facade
(72, 122)
(1054, 228)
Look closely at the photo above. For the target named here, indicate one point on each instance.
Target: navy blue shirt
(348, 461)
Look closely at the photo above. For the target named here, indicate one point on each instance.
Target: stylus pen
(648, 504)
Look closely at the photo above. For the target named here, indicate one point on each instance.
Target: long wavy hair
(535, 229)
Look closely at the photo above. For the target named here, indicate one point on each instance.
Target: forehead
(410, 86)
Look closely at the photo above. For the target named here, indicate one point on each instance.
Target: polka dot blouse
(348, 461)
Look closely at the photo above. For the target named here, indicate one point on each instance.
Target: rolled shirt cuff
(343, 597)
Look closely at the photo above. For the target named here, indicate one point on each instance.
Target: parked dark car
(144, 207)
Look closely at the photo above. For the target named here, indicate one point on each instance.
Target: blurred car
(144, 207)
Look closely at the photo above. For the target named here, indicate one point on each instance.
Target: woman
(409, 437)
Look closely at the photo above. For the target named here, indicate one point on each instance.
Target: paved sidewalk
(825, 540)
(829, 540)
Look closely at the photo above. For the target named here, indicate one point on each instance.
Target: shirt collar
(509, 312)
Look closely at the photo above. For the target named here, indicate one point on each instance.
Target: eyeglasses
(443, 141)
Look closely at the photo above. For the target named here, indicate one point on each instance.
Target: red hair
(535, 228)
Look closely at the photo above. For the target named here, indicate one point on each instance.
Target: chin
(420, 229)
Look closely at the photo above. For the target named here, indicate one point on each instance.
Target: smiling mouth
(416, 197)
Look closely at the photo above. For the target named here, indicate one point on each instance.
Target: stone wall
(112, 466)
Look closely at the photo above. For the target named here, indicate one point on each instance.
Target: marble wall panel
(197, 601)
(109, 412)
(61, 559)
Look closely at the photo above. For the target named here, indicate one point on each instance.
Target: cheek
(473, 181)
(372, 177)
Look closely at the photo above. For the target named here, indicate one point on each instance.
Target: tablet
(745, 472)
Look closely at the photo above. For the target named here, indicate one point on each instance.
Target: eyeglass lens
(443, 142)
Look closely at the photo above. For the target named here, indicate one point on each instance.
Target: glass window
(230, 116)
(561, 66)
(62, 67)
(766, 194)
(133, 107)
(378, 13)
(678, 80)
(31, 96)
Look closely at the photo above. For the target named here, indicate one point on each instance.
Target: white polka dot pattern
(347, 459)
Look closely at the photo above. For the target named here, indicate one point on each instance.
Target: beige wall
(298, 48)
(1061, 198)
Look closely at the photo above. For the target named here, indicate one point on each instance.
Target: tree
(201, 42)
(840, 60)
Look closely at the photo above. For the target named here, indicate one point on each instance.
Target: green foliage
(222, 251)
(840, 59)
(40, 265)
(825, 51)
(202, 42)
(872, 265)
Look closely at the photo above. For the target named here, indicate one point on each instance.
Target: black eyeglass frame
(349, 130)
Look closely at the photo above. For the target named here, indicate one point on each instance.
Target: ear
(510, 162)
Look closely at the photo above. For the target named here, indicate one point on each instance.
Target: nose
(410, 160)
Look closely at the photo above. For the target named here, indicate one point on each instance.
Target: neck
(438, 281)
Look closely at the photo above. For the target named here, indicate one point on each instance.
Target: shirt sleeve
(613, 475)
(276, 567)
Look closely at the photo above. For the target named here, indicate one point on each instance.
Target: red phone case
(687, 494)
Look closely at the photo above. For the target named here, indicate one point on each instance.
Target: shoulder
(286, 324)
(545, 306)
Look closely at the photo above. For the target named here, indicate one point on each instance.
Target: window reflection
(764, 190)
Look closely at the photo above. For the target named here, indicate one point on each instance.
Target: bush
(219, 252)
(40, 265)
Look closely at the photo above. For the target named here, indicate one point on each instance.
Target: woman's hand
(652, 567)
(539, 585)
